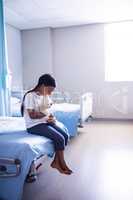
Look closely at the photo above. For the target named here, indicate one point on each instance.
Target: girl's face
(45, 90)
(48, 90)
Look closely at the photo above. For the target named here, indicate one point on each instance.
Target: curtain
(4, 75)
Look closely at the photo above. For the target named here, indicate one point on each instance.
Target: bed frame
(34, 169)
(86, 101)
(31, 176)
(10, 162)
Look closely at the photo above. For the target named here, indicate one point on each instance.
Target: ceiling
(28, 14)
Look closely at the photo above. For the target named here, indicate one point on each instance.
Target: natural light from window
(119, 51)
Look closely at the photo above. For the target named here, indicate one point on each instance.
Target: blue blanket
(69, 119)
(68, 114)
(25, 147)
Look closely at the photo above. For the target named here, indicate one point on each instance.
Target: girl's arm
(34, 114)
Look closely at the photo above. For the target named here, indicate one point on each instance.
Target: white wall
(37, 55)
(79, 65)
(76, 57)
(14, 56)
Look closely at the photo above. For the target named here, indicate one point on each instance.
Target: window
(119, 51)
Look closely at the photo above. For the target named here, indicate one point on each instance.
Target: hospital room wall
(37, 55)
(76, 57)
(79, 65)
(14, 50)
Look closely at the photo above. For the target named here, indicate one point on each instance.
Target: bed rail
(35, 166)
(6, 165)
(86, 103)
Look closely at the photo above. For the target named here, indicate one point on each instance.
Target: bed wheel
(80, 123)
(31, 178)
(17, 162)
(4, 173)
(80, 126)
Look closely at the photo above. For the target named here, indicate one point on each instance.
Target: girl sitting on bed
(35, 106)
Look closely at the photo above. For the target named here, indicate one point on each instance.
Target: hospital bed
(65, 105)
(21, 155)
(70, 102)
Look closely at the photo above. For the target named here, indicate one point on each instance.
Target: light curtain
(4, 75)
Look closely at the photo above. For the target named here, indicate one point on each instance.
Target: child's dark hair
(46, 80)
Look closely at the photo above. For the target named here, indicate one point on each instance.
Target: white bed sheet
(10, 124)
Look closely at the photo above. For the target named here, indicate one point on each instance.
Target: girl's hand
(51, 119)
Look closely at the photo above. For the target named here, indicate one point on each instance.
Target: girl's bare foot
(65, 167)
(59, 168)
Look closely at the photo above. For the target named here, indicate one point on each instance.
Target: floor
(102, 160)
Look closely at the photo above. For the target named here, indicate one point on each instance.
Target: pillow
(61, 97)
(57, 97)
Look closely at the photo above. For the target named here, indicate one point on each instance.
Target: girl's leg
(61, 131)
(57, 163)
(59, 158)
(59, 143)
(62, 161)
(61, 153)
